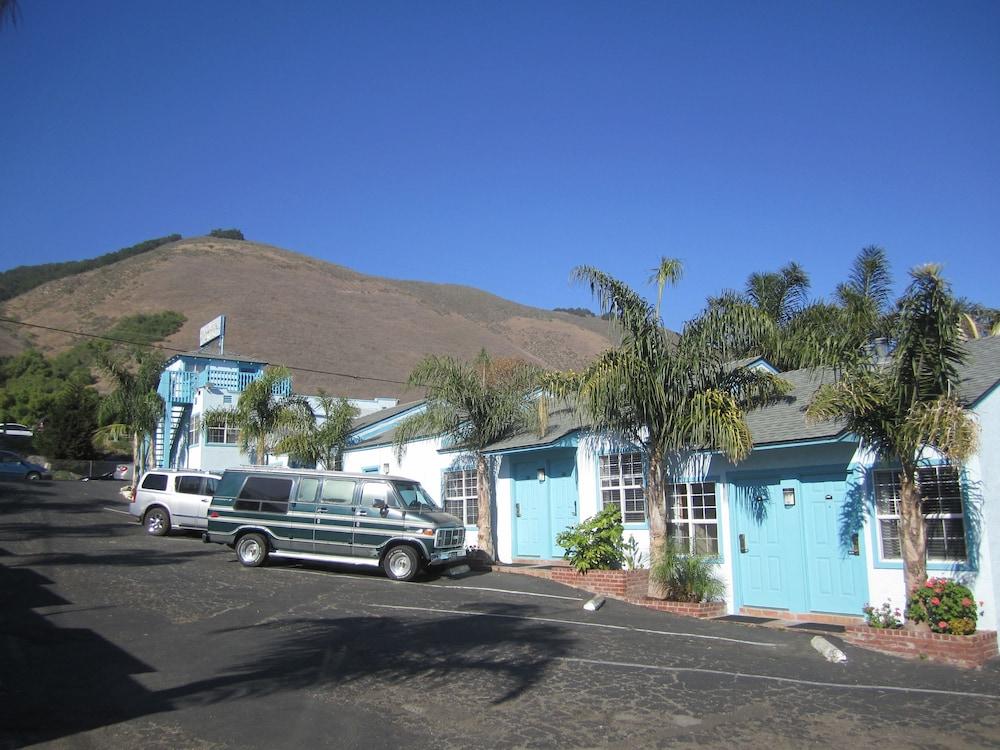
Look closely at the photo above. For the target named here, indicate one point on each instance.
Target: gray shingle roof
(563, 421)
(785, 420)
(982, 369)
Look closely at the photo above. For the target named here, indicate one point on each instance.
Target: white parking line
(772, 678)
(577, 622)
(431, 585)
(115, 510)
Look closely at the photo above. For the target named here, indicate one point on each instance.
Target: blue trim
(384, 425)
(569, 440)
(843, 437)
(372, 469)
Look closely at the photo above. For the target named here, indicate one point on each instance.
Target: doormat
(824, 626)
(747, 619)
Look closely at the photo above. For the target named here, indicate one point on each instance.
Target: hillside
(287, 308)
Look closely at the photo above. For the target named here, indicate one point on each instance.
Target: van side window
(307, 490)
(376, 491)
(337, 491)
(267, 494)
(189, 485)
(155, 482)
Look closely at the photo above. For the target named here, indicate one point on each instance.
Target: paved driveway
(111, 638)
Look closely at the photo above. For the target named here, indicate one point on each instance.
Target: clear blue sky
(500, 144)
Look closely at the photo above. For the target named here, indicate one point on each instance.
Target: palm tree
(132, 410)
(315, 442)
(474, 404)
(263, 416)
(779, 294)
(904, 404)
(668, 396)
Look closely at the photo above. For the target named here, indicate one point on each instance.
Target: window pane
(307, 489)
(189, 485)
(338, 491)
(155, 482)
(267, 488)
(706, 539)
(889, 532)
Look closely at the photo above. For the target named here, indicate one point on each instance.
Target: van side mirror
(380, 504)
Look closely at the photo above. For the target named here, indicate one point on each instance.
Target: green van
(330, 516)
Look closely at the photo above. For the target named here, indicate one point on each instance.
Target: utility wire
(163, 347)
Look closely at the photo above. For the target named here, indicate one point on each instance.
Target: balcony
(179, 386)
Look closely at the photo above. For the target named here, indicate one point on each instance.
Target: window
(194, 431)
(155, 482)
(693, 521)
(223, 434)
(337, 491)
(376, 491)
(307, 490)
(189, 485)
(461, 497)
(266, 494)
(622, 483)
(941, 501)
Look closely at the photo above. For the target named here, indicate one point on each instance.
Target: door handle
(321, 510)
(743, 543)
(517, 509)
(855, 545)
(362, 512)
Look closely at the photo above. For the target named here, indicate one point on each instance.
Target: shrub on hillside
(227, 234)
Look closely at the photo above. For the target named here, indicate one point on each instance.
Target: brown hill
(287, 308)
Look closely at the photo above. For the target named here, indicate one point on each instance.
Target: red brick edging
(968, 651)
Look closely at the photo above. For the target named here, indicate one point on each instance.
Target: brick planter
(969, 651)
(631, 586)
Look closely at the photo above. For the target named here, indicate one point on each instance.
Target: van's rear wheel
(157, 522)
(251, 550)
(401, 563)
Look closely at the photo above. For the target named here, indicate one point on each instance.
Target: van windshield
(414, 497)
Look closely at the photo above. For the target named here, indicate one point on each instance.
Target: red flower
(935, 601)
(929, 584)
(943, 625)
(966, 602)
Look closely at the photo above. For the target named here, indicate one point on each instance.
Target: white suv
(173, 498)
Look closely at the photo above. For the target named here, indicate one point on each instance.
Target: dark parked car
(12, 466)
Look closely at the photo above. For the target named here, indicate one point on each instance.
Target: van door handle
(321, 510)
(362, 512)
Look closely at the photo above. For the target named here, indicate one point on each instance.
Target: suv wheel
(33, 476)
(251, 550)
(401, 563)
(157, 522)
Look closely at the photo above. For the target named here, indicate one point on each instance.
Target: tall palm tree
(474, 404)
(667, 396)
(133, 408)
(263, 417)
(320, 442)
(779, 294)
(904, 404)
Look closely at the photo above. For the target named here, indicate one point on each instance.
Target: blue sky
(501, 144)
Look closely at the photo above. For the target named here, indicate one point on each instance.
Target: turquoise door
(797, 545)
(838, 581)
(545, 503)
(768, 546)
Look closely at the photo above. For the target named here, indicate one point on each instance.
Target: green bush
(685, 577)
(595, 544)
(227, 234)
(946, 606)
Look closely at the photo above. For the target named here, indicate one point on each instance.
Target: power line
(163, 347)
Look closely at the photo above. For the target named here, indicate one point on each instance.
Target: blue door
(838, 581)
(545, 503)
(797, 545)
(768, 546)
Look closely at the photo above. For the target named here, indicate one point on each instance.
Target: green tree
(132, 409)
(667, 396)
(263, 416)
(316, 442)
(474, 404)
(71, 423)
(903, 404)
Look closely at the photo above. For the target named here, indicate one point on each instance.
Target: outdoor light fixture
(541, 475)
(385, 468)
(788, 493)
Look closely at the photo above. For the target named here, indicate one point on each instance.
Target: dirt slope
(291, 309)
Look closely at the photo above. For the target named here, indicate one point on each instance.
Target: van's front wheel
(401, 563)
(251, 550)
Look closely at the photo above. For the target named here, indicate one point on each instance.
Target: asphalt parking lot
(112, 638)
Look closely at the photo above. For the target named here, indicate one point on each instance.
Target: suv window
(9, 458)
(210, 484)
(155, 482)
(190, 485)
(337, 491)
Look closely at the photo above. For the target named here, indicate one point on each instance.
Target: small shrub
(945, 605)
(634, 558)
(227, 234)
(686, 577)
(883, 617)
(595, 544)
